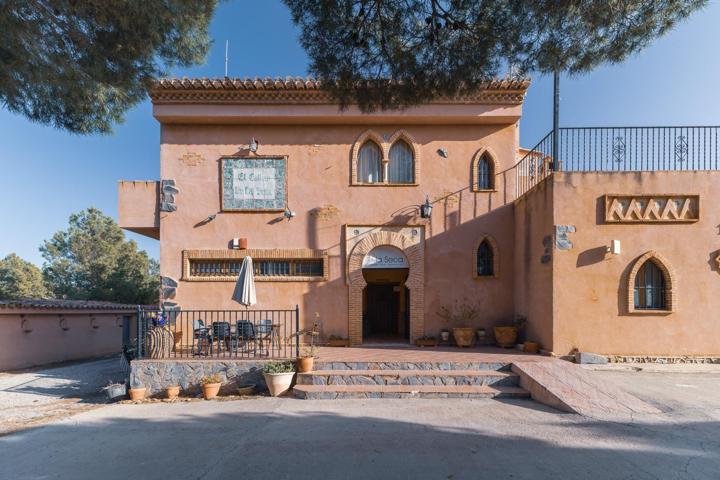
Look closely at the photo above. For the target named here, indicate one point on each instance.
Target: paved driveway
(270, 438)
(34, 396)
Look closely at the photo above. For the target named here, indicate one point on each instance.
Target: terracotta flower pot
(172, 393)
(531, 347)
(210, 390)
(506, 336)
(278, 383)
(426, 342)
(464, 336)
(304, 364)
(137, 393)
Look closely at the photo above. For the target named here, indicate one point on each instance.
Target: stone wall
(156, 375)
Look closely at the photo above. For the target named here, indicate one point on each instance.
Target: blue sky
(48, 174)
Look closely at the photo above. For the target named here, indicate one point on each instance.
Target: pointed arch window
(650, 287)
(485, 264)
(485, 175)
(402, 163)
(369, 168)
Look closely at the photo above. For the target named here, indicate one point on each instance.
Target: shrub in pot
(461, 315)
(306, 359)
(278, 376)
(211, 385)
(172, 393)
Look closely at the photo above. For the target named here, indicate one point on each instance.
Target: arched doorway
(386, 302)
(412, 250)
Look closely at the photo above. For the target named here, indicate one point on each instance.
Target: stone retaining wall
(156, 375)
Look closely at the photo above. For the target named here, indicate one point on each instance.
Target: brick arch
(492, 158)
(670, 282)
(486, 237)
(364, 137)
(414, 146)
(415, 281)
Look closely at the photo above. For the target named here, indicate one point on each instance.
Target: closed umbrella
(244, 292)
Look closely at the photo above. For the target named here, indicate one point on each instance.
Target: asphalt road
(270, 438)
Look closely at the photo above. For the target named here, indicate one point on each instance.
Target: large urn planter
(506, 337)
(211, 386)
(463, 336)
(278, 377)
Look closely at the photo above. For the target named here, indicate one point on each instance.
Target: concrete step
(409, 377)
(328, 392)
(321, 365)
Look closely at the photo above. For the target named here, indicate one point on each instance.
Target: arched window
(485, 266)
(369, 168)
(402, 163)
(650, 289)
(485, 174)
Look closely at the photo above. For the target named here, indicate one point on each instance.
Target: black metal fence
(621, 149)
(223, 334)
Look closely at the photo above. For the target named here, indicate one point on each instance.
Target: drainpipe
(556, 122)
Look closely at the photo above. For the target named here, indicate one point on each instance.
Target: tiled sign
(254, 184)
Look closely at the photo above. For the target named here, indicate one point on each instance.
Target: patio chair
(220, 336)
(313, 333)
(244, 335)
(268, 335)
(201, 338)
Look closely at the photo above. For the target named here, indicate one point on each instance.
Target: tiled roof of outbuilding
(65, 304)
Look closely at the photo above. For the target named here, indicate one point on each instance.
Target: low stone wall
(662, 360)
(156, 375)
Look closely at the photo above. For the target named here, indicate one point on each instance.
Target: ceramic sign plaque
(254, 184)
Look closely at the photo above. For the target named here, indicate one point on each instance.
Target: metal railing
(222, 334)
(621, 149)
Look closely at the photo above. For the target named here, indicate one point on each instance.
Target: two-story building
(613, 248)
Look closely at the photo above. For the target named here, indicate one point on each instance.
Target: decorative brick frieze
(192, 159)
(660, 208)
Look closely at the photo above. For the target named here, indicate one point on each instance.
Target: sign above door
(385, 256)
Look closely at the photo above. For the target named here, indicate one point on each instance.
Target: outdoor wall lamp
(289, 214)
(254, 144)
(614, 247)
(426, 208)
(210, 218)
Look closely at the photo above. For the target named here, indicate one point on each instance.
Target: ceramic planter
(137, 393)
(506, 336)
(445, 336)
(304, 364)
(338, 342)
(531, 347)
(172, 393)
(426, 342)
(210, 390)
(115, 391)
(278, 383)
(464, 336)
(246, 389)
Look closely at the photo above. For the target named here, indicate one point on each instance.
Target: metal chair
(268, 335)
(201, 338)
(244, 334)
(219, 336)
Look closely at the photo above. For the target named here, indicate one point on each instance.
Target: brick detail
(415, 282)
(496, 257)
(671, 303)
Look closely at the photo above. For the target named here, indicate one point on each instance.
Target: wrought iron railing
(621, 149)
(223, 334)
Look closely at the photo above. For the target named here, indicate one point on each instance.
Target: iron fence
(621, 149)
(217, 334)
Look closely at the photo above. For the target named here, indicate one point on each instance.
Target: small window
(402, 163)
(369, 168)
(210, 269)
(485, 260)
(650, 290)
(485, 174)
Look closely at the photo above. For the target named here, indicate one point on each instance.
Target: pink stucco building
(613, 248)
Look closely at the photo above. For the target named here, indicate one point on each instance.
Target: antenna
(226, 57)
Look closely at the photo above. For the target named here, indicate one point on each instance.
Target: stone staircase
(408, 380)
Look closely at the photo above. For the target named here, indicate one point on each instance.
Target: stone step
(321, 365)
(329, 392)
(408, 377)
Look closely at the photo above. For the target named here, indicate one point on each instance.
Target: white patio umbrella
(244, 292)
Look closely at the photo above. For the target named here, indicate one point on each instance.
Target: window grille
(650, 289)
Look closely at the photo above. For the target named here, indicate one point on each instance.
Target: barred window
(485, 261)
(485, 174)
(650, 287)
(262, 268)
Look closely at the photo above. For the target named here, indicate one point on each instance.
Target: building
(613, 248)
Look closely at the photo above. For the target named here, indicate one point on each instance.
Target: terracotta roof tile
(65, 304)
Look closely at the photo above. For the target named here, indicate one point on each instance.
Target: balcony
(138, 207)
(620, 149)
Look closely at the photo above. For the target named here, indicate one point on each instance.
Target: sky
(47, 174)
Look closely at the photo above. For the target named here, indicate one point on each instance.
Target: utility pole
(556, 122)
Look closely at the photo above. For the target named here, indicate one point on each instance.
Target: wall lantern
(289, 214)
(426, 208)
(254, 144)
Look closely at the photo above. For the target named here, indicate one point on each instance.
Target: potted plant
(461, 314)
(531, 347)
(337, 341)
(173, 392)
(306, 359)
(426, 341)
(481, 335)
(211, 385)
(445, 335)
(137, 393)
(506, 337)
(278, 376)
(115, 390)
